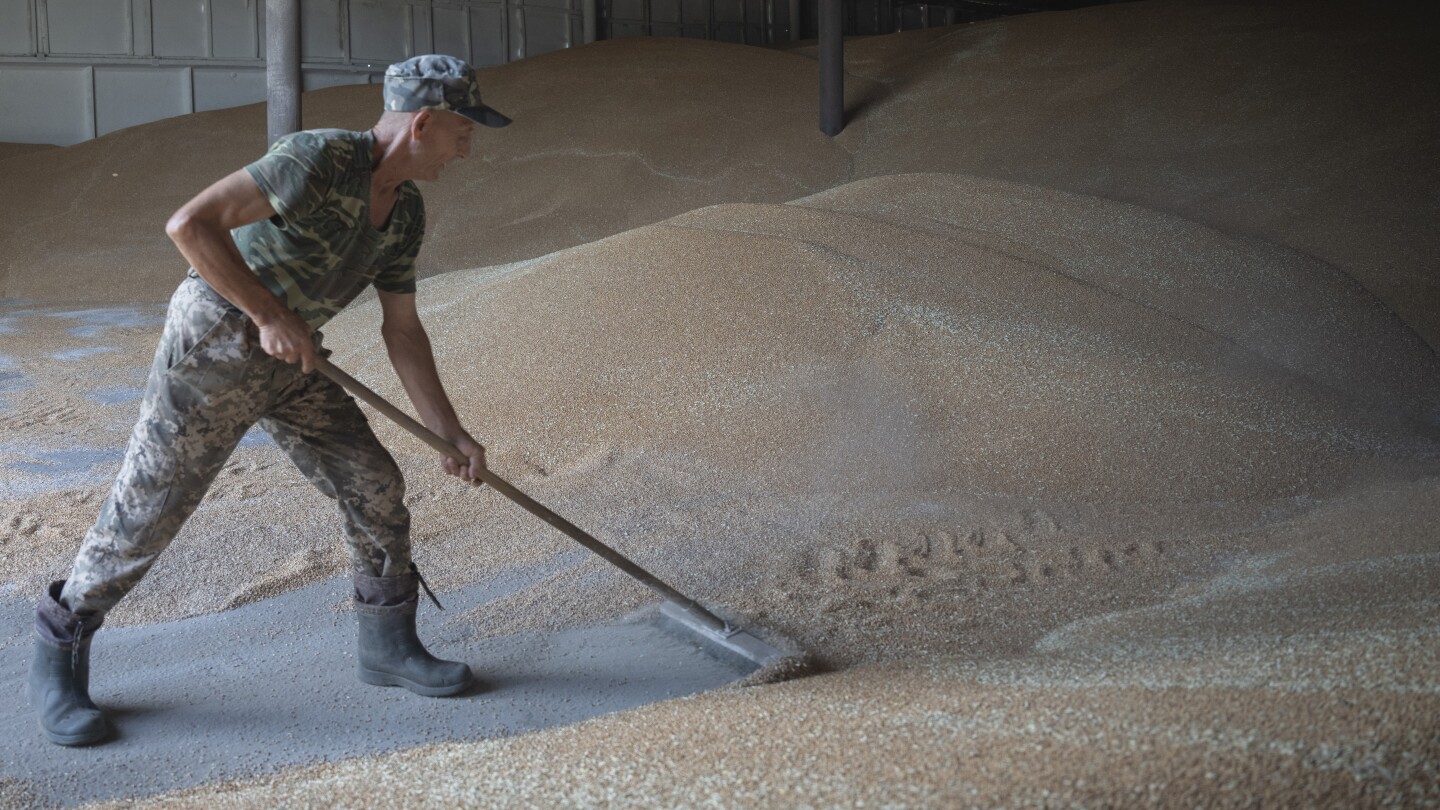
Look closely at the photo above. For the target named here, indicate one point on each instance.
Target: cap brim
(484, 115)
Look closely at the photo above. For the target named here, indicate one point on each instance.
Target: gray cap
(437, 82)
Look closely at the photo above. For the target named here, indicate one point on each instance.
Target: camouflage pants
(209, 383)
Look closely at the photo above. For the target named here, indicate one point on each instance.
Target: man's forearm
(414, 361)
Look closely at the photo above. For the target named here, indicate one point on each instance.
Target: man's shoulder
(410, 209)
(316, 142)
(410, 194)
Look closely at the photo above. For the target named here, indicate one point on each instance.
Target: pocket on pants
(205, 339)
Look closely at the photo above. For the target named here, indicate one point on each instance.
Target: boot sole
(74, 740)
(375, 678)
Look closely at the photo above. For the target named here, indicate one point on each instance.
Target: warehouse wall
(71, 70)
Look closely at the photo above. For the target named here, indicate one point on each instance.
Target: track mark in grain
(35, 416)
(24, 524)
(1027, 549)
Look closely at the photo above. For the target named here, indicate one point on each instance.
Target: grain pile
(1086, 501)
(13, 150)
(1273, 119)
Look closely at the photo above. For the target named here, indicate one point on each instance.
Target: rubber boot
(390, 652)
(60, 674)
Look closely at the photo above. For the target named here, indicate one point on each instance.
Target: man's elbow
(181, 227)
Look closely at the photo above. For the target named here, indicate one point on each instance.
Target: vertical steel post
(587, 20)
(832, 69)
(282, 67)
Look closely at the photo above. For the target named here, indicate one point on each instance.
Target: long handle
(535, 508)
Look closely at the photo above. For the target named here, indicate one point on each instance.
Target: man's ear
(419, 123)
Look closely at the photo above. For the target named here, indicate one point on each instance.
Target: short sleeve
(296, 175)
(398, 274)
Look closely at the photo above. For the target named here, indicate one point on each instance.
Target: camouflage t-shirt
(319, 251)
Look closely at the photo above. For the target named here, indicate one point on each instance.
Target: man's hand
(287, 337)
(474, 451)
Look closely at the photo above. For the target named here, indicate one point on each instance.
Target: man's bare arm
(414, 362)
(201, 230)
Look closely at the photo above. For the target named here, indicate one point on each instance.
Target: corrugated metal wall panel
(666, 11)
(180, 27)
(546, 30)
(322, 32)
(126, 96)
(694, 12)
(619, 29)
(452, 30)
(628, 9)
(234, 29)
(487, 35)
(379, 32)
(421, 34)
(218, 89)
(320, 79)
(67, 117)
(17, 34)
(89, 27)
(214, 50)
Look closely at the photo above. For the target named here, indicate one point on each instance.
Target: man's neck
(383, 177)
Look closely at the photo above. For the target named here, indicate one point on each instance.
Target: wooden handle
(532, 506)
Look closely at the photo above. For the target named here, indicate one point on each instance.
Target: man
(277, 249)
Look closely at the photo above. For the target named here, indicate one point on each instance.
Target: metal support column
(587, 20)
(282, 67)
(832, 69)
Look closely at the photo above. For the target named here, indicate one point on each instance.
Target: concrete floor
(272, 684)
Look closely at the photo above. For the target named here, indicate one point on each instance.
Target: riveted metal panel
(218, 89)
(516, 33)
(620, 30)
(126, 96)
(755, 21)
(17, 28)
(695, 11)
(545, 30)
(322, 34)
(452, 31)
(320, 79)
(180, 28)
(379, 31)
(233, 31)
(627, 9)
(730, 32)
(422, 39)
(487, 35)
(89, 27)
(67, 118)
(664, 11)
(213, 54)
(729, 11)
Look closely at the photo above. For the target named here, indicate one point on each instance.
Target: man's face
(443, 137)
